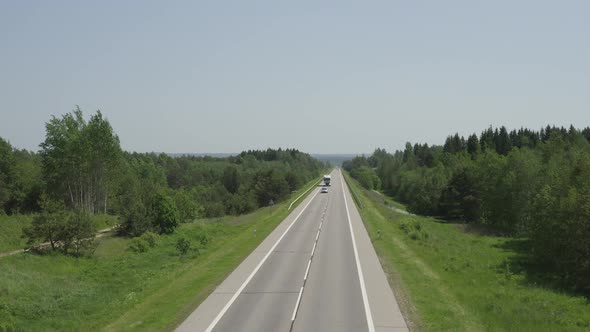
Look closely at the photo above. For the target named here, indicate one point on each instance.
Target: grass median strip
(447, 278)
(117, 289)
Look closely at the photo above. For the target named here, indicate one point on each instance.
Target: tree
(270, 186)
(78, 234)
(186, 202)
(461, 199)
(231, 179)
(48, 225)
(560, 223)
(67, 231)
(80, 159)
(366, 177)
(473, 147)
(503, 142)
(165, 214)
(486, 140)
(6, 173)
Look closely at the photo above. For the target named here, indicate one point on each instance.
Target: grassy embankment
(452, 278)
(120, 290)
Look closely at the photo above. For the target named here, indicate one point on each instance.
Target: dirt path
(100, 233)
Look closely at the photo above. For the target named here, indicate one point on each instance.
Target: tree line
(81, 170)
(523, 182)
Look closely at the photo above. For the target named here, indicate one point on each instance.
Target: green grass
(448, 279)
(11, 229)
(120, 290)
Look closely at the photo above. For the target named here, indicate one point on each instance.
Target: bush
(414, 230)
(187, 205)
(150, 238)
(405, 226)
(166, 217)
(138, 245)
(135, 220)
(183, 245)
(203, 240)
(72, 233)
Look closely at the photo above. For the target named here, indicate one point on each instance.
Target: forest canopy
(81, 166)
(534, 184)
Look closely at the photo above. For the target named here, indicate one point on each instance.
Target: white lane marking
(235, 296)
(313, 249)
(317, 236)
(307, 271)
(297, 304)
(296, 199)
(370, 324)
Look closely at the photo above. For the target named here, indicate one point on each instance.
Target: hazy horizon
(224, 77)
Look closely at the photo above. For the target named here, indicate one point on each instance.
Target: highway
(317, 271)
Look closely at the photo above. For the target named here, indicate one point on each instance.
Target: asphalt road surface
(316, 272)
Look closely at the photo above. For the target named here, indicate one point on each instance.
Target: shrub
(166, 217)
(414, 230)
(150, 238)
(138, 245)
(405, 226)
(183, 245)
(203, 240)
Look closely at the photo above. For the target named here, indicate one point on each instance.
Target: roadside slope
(449, 279)
(178, 297)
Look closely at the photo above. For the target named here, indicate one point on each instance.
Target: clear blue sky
(324, 77)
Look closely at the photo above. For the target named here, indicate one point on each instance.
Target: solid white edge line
(307, 270)
(317, 236)
(305, 192)
(370, 323)
(313, 249)
(297, 304)
(237, 293)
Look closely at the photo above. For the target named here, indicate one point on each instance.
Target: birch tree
(80, 160)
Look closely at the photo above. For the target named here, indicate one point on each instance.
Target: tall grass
(447, 278)
(11, 231)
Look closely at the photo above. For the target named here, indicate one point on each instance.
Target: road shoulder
(382, 302)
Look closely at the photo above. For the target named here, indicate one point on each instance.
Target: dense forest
(81, 170)
(526, 183)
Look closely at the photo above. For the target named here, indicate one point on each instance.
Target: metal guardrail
(305, 192)
(354, 195)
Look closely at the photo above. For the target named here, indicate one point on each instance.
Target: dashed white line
(235, 296)
(306, 274)
(307, 270)
(297, 304)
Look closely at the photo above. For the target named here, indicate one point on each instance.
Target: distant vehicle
(327, 179)
(324, 190)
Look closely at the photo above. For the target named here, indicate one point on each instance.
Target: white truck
(327, 179)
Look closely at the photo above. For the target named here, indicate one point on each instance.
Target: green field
(120, 290)
(449, 277)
